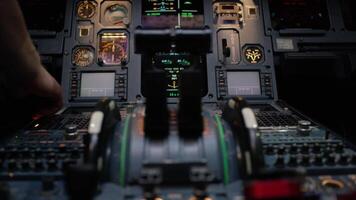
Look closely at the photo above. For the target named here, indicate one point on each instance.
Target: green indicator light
(187, 15)
(173, 94)
(167, 62)
(153, 14)
(184, 62)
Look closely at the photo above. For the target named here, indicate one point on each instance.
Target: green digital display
(173, 64)
(172, 13)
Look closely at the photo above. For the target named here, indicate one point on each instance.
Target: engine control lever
(100, 132)
(156, 113)
(242, 121)
(190, 120)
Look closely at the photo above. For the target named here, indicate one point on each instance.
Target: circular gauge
(112, 53)
(253, 54)
(116, 15)
(86, 9)
(83, 57)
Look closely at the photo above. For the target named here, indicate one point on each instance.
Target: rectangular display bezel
(115, 33)
(293, 15)
(160, 19)
(80, 87)
(244, 72)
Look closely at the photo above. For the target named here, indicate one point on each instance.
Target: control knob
(304, 127)
(71, 132)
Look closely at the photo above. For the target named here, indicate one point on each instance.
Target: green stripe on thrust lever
(223, 149)
(123, 150)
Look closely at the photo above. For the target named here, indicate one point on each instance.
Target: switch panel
(229, 47)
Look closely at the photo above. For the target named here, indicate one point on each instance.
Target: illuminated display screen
(173, 64)
(113, 48)
(299, 14)
(243, 83)
(172, 13)
(97, 85)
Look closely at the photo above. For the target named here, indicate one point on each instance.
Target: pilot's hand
(44, 93)
(26, 88)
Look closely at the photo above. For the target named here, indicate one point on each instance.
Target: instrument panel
(241, 42)
(105, 42)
